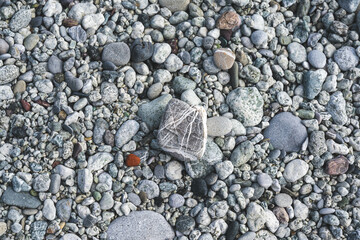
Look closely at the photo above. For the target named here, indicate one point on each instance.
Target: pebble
(99, 160)
(141, 51)
(349, 6)
(247, 105)
(4, 46)
(127, 130)
(6, 93)
(174, 6)
(79, 10)
(117, 53)
(218, 126)
(224, 58)
(297, 52)
(286, 132)
(22, 199)
(161, 52)
(224, 169)
(259, 37)
(176, 200)
(317, 59)
(8, 73)
(128, 226)
(151, 112)
(337, 166)
(63, 209)
(337, 108)
(264, 180)
(199, 187)
(242, 153)
(283, 200)
(93, 21)
(184, 224)
(77, 33)
(49, 210)
(173, 170)
(229, 21)
(55, 65)
(346, 58)
(20, 19)
(31, 41)
(295, 170)
(85, 180)
(255, 215)
(150, 188)
(313, 81)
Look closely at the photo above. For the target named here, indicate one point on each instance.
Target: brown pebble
(281, 214)
(174, 45)
(224, 58)
(229, 20)
(43, 103)
(76, 150)
(143, 196)
(20, 87)
(337, 166)
(69, 22)
(62, 115)
(26, 106)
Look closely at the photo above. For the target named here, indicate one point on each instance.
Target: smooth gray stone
(286, 132)
(140, 225)
(21, 199)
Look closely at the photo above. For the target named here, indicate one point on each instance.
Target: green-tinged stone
(223, 41)
(343, 202)
(97, 196)
(306, 114)
(285, 40)
(59, 77)
(33, 193)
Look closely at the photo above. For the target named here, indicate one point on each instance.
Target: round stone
(150, 188)
(264, 180)
(176, 200)
(286, 132)
(295, 170)
(117, 53)
(346, 58)
(4, 46)
(173, 170)
(283, 200)
(184, 224)
(141, 51)
(297, 52)
(199, 187)
(224, 58)
(317, 59)
(259, 37)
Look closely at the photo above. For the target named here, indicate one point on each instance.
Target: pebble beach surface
(179, 119)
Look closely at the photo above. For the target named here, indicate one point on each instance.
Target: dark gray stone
(141, 51)
(63, 209)
(117, 53)
(349, 5)
(75, 84)
(313, 81)
(184, 224)
(23, 200)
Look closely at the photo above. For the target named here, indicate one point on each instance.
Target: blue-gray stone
(77, 33)
(23, 200)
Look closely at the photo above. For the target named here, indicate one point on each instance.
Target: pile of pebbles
(179, 119)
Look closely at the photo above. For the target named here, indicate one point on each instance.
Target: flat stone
(49, 210)
(317, 59)
(182, 131)
(181, 84)
(101, 125)
(8, 73)
(247, 105)
(218, 126)
(184, 224)
(224, 58)
(77, 33)
(281, 214)
(117, 53)
(286, 132)
(242, 153)
(140, 225)
(6, 93)
(31, 41)
(152, 112)
(283, 200)
(337, 166)
(21, 199)
(70, 236)
(295, 170)
(85, 180)
(55, 65)
(175, 5)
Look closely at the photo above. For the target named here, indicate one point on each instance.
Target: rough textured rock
(229, 21)
(183, 131)
(286, 132)
(247, 105)
(8, 73)
(256, 217)
(337, 108)
(175, 5)
(140, 225)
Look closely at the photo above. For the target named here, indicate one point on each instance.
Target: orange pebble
(132, 160)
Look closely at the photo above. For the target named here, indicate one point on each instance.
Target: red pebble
(132, 160)
(43, 103)
(25, 105)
